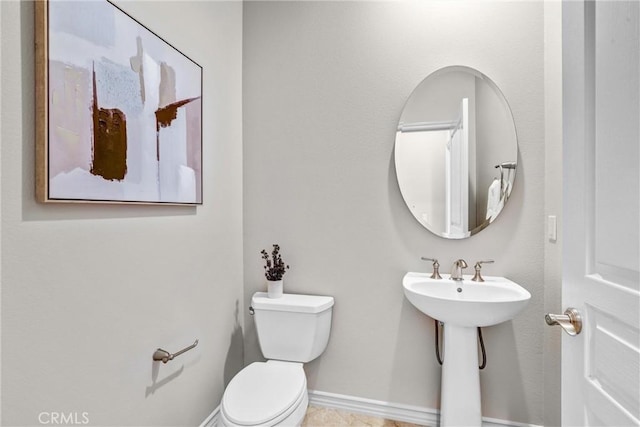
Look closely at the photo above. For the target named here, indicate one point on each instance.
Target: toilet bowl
(292, 330)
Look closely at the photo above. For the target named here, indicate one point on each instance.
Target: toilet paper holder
(164, 356)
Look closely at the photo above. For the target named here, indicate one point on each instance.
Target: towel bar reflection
(165, 356)
(509, 166)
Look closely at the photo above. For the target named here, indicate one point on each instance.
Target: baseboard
(377, 408)
(393, 411)
(212, 419)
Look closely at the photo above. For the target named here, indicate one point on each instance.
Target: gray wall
(77, 336)
(493, 134)
(324, 84)
(553, 206)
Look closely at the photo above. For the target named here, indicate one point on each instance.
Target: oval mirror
(456, 152)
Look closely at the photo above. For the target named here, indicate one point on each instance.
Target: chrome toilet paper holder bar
(164, 356)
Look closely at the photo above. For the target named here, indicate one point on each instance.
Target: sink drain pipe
(438, 325)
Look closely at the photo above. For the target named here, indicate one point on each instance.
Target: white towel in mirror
(495, 199)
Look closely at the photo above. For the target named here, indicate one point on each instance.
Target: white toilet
(292, 330)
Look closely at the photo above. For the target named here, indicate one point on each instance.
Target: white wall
(0, 216)
(422, 179)
(89, 292)
(553, 206)
(324, 84)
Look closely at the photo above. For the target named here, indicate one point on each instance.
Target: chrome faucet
(456, 270)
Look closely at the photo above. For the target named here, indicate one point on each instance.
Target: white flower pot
(274, 288)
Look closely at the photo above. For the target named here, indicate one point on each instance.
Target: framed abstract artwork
(118, 109)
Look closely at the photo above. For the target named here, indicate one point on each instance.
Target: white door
(601, 122)
(457, 176)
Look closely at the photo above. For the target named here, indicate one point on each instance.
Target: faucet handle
(478, 276)
(436, 266)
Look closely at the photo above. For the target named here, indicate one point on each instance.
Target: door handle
(570, 321)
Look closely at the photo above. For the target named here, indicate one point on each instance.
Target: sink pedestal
(460, 395)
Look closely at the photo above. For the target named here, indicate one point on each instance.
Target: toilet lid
(263, 391)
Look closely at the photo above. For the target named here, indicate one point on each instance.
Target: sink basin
(487, 303)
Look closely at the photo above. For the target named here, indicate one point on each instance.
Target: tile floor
(326, 417)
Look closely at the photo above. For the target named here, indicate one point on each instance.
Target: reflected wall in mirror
(456, 152)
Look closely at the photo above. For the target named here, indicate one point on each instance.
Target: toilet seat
(264, 393)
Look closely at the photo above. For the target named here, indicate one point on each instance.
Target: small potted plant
(274, 269)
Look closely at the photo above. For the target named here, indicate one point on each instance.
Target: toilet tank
(293, 327)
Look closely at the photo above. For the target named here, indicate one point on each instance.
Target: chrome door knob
(570, 321)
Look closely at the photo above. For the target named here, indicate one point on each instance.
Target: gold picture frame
(118, 110)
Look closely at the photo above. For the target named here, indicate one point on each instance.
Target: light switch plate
(552, 228)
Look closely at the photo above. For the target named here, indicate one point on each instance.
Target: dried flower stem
(274, 267)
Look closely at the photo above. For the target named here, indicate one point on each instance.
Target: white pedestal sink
(463, 306)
